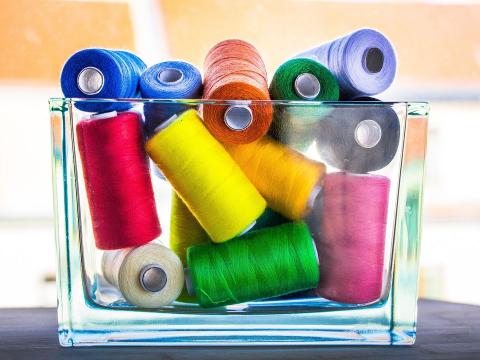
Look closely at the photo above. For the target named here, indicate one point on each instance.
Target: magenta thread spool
(352, 239)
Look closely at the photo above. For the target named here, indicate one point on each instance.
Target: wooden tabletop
(445, 331)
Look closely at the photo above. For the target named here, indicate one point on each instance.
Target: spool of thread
(300, 79)
(234, 70)
(103, 74)
(352, 240)
(117, 180)
(363, 62)
(207, 179)
(288, 181)
(303, 79)
(148, 276)
(168, 80)
(359, 139)
(261, 264)
(185, 231)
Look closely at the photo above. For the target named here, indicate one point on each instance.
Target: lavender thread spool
(363, 62)
(352, 240)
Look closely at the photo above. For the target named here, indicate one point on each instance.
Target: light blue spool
(100, 73)
(168, 80)
(363, 62)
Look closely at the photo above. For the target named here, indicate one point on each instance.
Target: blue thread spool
(100, 73)
(363, 62)
(168, 80)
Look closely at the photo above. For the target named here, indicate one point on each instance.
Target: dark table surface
(445, 331)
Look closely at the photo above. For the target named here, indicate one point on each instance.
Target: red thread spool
(234, 70)
(352, 238)
(117, 181)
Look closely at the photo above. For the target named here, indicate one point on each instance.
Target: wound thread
(261, 264)
(286, 82)
(168, 80)
(359, 139)
(287, 180)
(148, 276)
(185, 231)
(363, 62)
(101, 73)
(205, 177)
(117, 180)
(234, 70)
(352, 237)
(292, 125)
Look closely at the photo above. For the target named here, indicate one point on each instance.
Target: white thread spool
(149, 276)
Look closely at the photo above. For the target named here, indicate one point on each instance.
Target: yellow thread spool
(209, 182)
(185, 230)
(288, 180)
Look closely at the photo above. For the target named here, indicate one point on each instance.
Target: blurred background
(438, 49)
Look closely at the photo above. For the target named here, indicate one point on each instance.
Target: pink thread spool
(352, 238)
(117, 180)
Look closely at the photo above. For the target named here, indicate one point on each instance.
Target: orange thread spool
(234, 70)
(289, 181)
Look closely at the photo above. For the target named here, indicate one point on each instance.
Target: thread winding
(363, 62)
(288, 180)
(117, 181)
(185, 231)
(261, 264)
(101, 73)
(168, 80)
(287, 83)
(148, 276)
(352, 237)
(359, 139)
(205, 177)
(234, 70)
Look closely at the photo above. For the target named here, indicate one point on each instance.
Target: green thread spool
(260, 264)
(306, 80)
(185, 231)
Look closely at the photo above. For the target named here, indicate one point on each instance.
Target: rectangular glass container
(93, 312)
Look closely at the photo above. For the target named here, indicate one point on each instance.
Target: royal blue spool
(363, 62)
(100, 73)
(138, 67)
(168, 80)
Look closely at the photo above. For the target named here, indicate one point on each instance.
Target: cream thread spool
(148, 276)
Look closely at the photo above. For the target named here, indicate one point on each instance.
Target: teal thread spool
(261, 264)
(305, 80)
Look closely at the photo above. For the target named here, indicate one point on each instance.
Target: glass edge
(411, 105)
